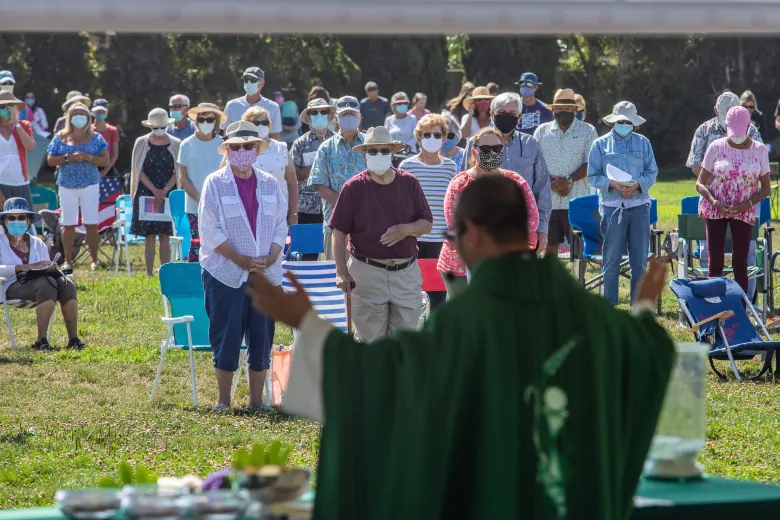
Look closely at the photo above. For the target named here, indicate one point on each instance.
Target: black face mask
(564, 118)
(505, 123)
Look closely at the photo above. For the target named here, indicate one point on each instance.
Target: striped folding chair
(319, 280)
(18, 304)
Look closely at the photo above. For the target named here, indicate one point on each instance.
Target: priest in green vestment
(525, 397)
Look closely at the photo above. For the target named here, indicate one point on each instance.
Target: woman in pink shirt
(486, 157)
(734, 179)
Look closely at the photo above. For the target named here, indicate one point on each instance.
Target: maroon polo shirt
(366, 210)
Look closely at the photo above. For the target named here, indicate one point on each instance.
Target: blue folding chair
(305, 239)
(43, 198)
(186, 320)
(715, 311)
(319, 281)
(181, 224)
(124, 219)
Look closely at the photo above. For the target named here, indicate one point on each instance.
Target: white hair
(502, 100)
(184, 99)
(452, 124)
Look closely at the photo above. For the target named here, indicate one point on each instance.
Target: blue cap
(100, 103)
(254, 72)
(18, 206)
(6, 75)
(529, 77)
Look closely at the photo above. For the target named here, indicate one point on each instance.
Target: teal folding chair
(186, 320)
(43, 198)
(181, 224)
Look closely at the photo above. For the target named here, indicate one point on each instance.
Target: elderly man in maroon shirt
(383, 210)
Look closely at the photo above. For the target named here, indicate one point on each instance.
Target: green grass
(66, 418)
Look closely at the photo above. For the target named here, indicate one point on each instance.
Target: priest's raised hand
(289, 308)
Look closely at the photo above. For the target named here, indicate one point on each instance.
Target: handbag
(26, 275)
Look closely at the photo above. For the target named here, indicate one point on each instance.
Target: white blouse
(8, 259)
(273, 162)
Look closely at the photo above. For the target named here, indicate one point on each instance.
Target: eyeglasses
(486, 148)
(264, 122)
(206, 119)
(319, 112)
(15, 218)
(348, 104)
(427, 135)
(245, 146)
(375, 151)
(623, 122)
(249, 80)
(750, 107)
(451, 135)
(176, 107)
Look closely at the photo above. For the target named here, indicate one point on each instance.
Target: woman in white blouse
(276, 160)
(243, 227)
(478, 116)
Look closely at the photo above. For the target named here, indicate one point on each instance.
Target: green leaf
(125, 474)
(142, 475)
(273, 452)
(241, 459)
(258, 457)
(108, 482)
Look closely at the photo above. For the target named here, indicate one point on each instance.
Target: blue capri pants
(231, 320)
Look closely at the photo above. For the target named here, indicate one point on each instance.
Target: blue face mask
(527, 91)
(251, 88)
(318, 122)
(623, 129)
(100, 116)
(449, 144)
(17, 227)
(349, 122)
(79, 121)
(579, 115)
(402, 109)
(177, 116)
(5, 113)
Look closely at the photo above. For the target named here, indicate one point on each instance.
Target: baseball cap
(100, 104)
(737, 121)
(6, 75)
(347, 104)
(254, 72)
(529, 77)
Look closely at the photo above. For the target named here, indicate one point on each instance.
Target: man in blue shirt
(534, 112)
(182, 126)
(624, 204)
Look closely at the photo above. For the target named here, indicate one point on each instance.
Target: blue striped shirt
(434, 179)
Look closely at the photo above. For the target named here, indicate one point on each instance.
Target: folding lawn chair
(186, 320)
(319, 281)
(587, 241)
(181, 225)
(18, 304)
(43, 199)
(714, 310)
(305, 239)
(431, 282)
(110, 189)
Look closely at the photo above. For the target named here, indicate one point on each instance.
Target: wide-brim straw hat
(477, 94)
(207, 108)
(76, 97)
(378, 136)
(624, 110)
(158, 118)
(241, 132)
(8, 98)
(564, 98)
(315, 104)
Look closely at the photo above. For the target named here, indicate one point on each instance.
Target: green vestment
(524, 397)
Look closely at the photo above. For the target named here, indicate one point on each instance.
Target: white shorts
(86, 199)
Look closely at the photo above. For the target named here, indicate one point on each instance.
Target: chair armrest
(176, 239)
(2, 280)
(657, 232)
(720, 316)
(119, 222)
(179, 320)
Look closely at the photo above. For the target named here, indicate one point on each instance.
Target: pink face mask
(242, 159)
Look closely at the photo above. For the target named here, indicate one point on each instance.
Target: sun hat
(78, 106)
(315, 104)
(581, 104)
(6, 75)
(347, 104)
(564, 98)
(207, 107)
(477, 94)
(158, 118)
(100, 105)
(241, 132)
(75, 96)
(18, 206)
(529, 77)
(8, 98)
(399, 97)
(737, 121)
(378, 136)
(624, 110)
(254, 72)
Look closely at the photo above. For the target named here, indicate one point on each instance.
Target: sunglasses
(437, 135)
(250, 80)
(451, 135)
(207, 119)
(319, 112)
(245, 146)
(527, 84)
(623, 122)
(7, 83)
(375, 151)
(264, 122)
(176, 107)
(348, 104)
(486, 148)
(15, 218)
(159, 127)
(749, 107)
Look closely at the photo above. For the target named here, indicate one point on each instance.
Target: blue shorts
(232, 320)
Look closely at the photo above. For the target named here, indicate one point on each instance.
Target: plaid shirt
(304, 149)
(708, 132)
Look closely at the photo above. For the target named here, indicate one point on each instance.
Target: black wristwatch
(569, 178)
(67, 159)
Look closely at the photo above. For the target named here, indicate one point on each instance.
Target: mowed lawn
(66, 418)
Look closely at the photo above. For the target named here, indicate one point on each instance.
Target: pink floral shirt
(449, 262)
(736, 176)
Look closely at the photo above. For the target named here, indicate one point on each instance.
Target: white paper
(652, 502)
(616, 174)
(714, 299)
(148, 211)
(308, 158)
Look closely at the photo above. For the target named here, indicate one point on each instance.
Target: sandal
(221, 407)
(42, 345)
(67, 269)
(75, 344)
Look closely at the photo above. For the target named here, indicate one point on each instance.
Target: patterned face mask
(242, 159)
(491, 160)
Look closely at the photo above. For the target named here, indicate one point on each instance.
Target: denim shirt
(632, 154)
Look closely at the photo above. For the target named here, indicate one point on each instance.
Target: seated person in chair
(20, 252)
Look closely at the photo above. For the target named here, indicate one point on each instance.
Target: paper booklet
(616, 174)
(149, 209)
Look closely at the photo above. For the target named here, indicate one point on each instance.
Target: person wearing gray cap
(253, 80)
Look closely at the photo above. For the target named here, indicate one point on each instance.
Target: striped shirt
(434, 179)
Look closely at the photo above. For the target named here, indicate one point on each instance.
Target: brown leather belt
(386, 267)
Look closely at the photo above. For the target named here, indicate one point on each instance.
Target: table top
(712, 498)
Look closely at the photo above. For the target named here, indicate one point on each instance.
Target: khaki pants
(384, 302)
(328, 246)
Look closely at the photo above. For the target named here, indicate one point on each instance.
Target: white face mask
(262, 131)
(7, 88)
(379, 164)
(159, 132)
(431, 144)
(206, 128)
(738, 140)
(722, 118)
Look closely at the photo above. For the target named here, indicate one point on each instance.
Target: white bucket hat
(158, 118)
(624, 110)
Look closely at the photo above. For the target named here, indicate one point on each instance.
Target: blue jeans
(632, 232)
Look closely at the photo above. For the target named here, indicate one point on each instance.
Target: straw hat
(241, 132)
(158, 118)
(209, 108)
(74, 96)
(8, 98)
(378, 136)
(315, 104)
(478, 93)
(624, 110)
(564, 98)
